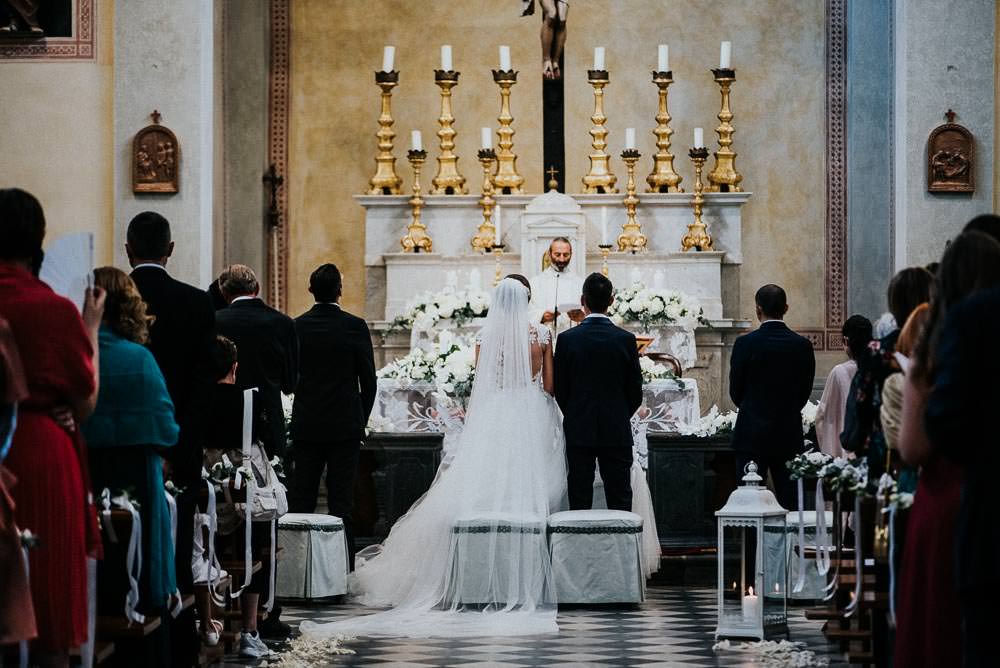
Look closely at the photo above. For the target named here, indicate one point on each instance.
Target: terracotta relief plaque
(156, 159)
(950, 158)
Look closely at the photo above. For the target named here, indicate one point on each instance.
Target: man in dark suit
(269, 349)
(598, 388)
(181, 339)
(335, 397)
(770, 379)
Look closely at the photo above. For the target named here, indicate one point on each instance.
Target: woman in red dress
(58, 351)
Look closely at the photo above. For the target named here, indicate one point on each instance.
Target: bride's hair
(522, 280)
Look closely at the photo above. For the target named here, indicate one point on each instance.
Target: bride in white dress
(507, 475)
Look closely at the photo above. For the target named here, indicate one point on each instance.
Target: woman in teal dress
(133, 421)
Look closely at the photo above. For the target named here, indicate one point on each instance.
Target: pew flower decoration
(28, 539)
(425, 311)
(808, 464)
(845, 475)
(654, 370)
(711, 423)
(650, 308)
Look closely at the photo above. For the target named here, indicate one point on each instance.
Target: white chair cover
(314, 562)
(597, 556)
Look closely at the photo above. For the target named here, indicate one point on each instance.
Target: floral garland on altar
(426, 310)
(654, 371)
(449, 364)
(717, 423)
(651, 307)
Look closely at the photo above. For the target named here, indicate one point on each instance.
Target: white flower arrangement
(449, 363)
(654, 370)
(808, 464)
(424, 311)
(651, 307)
(809, 416)
(710, 424)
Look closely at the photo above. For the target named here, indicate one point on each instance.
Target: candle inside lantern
(725, 55)
(498, 228)
(446, 57)
(699, 138)
(629, 138)
(599, 58)
(751, 606)
(604, 225)
(662, 58)
(487, 136)
(416, 142)
(505, 58)
(388, 56)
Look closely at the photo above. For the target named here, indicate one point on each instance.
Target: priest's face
(560, 252)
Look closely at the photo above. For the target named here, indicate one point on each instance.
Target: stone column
(164, 55)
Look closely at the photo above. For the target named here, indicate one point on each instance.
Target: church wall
(56, 120)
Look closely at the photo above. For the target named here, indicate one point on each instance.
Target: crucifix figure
(554, 14)
(274, 181)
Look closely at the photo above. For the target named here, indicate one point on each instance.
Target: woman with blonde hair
(133, 420)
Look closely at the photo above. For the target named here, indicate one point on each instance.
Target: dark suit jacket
(181, 340)
(598, 384)
(268, 354)
(336, 390)
(770, 380)
(960, 424)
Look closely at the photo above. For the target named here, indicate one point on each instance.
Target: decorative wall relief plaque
(950, 158)
(156, 159)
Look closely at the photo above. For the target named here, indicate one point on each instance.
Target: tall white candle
(446, 57)
(699, 138)
(751, 607)
(487, 135)
(725, 55)
(499, 227)
(416, 143)
(629, 138)
(604, 225)
(662, 58)
(505, 58)
(599, 58)
(388, 56)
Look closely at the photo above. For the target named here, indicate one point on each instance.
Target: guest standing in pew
(770, 379)
(944, 431)
(857, 333)
(180, 339)
(59, 355)
(132, 423)
(334, 399)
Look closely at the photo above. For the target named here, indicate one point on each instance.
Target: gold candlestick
(448, 181)
(498, 254)
(486, 233)
(663, 178)
(724, 177)
(605, 251)
(506, 180)
(385, 181)
(416, 238)
(599, 179)
(631, 239)
(697, 236)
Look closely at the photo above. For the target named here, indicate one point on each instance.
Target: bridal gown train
(508, 474)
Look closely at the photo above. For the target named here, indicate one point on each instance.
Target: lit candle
(725, 55)
(499, 228)
(599, 58)
(662, 58)
(416, 143)
(446, 57)
(505, 58)
(751, 606)
(604, 225)
(629, 138)
(487, 136)
(388, 56)
(699, 138)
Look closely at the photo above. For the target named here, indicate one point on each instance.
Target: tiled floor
(674, 627)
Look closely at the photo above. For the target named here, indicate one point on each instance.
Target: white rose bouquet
(651, 307)
(809, 416)
(808, 464)
(449, 364)
(426, 310)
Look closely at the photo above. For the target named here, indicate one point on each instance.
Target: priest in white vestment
(555, 293)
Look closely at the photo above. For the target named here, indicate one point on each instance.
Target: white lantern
(753, 565)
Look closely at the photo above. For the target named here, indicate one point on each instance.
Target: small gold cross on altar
(156, 117)
(553, 183)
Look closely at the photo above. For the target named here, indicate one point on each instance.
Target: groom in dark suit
(598, 388)
(770, 379)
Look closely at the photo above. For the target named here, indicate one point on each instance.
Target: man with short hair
(335, 397)
(556, 289)
(181, 339)
(770, 379)
(598, 388)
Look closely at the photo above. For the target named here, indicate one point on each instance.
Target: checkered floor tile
(674, 627)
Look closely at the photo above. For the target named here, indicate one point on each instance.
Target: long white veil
(470, 557)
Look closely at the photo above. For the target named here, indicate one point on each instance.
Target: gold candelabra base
(605, 251)
(507, 181)
(385, 181)
(599, 179)
(697, 236)
(485, 235)
(416, 238)
(631, 239)
(498, 254)
(724, 177)
(663, 178)
(448, 181)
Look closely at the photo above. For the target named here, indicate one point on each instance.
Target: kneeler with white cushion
(314, 561)
(491, 553)
(596, 556)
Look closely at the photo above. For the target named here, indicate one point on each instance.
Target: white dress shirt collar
(149, 264)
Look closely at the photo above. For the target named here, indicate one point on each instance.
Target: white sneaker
(252, 647)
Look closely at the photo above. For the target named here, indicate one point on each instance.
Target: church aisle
(672, 628)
